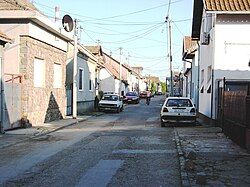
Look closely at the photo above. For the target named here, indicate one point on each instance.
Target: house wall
(232, 50)
(107, 81)
(206, 63)
(195, 75)
(85, 97)
(41, 104)
(188, 84)
(23, 28)
(227, 54)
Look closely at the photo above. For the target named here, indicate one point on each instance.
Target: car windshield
(179, 103)
(131, 94)
(110, 97)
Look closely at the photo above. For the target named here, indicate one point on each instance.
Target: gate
(233, 108)
(69, 93)
(12, 101)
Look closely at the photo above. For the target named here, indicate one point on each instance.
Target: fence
(235, 111)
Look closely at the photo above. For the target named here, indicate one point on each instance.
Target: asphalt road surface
(125, 149)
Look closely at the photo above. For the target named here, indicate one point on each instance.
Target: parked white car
(111, 102)
(178, 109)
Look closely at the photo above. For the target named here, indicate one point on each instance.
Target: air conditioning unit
(205, 38)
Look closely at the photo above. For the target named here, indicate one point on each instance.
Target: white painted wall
(45, 36)
(232, 50)
(228, 54)
(194, 82)
(89, 69)
(107, 82)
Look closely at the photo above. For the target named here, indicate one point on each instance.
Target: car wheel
(122, 108)
(118, 110)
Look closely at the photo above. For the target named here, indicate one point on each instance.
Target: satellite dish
(67, 23)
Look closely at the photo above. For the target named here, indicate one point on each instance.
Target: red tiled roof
(227, 5)
(189, 45)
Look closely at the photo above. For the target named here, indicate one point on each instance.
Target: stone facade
(41, 104)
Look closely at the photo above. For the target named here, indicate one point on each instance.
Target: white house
(223, 28)
(86, 76)
(190, 62)
(113, 82)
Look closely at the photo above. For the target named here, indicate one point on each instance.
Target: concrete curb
(43, 134)
(184, 176)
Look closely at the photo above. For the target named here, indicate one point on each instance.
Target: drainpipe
(198, 80)
(2, 90)
(212, 92)
(212, 81)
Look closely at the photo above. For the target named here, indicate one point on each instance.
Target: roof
(189, 47)
(4, 37)
(95, 49)
(226, 6)
(16, 5)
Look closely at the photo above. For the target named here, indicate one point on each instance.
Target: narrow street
(125, 149)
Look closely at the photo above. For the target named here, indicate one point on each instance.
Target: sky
(137, 27)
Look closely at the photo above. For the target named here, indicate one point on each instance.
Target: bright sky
(137, 26)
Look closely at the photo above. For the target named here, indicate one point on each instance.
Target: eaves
(37, 18)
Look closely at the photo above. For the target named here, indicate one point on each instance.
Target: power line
(111, 17)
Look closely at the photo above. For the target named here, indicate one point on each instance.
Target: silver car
(178, 109)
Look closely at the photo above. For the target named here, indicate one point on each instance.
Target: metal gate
(12, 101)
(69, 93)
(233, 110)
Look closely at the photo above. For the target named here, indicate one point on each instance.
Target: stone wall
(44, 104)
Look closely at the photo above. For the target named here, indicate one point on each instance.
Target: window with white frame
(39, 72)
(57, 75)
(81, 79)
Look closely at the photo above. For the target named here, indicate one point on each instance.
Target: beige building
(37, 57)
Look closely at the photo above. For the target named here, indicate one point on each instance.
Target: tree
(153, 87)
(163, 87)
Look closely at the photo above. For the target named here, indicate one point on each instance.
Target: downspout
(212, 81)
(212, 92)
(198, 80)
(2, 90)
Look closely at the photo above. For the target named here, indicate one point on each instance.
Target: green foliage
(153, 87)
(163, 87)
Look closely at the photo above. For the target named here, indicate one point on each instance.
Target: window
(179, 103)
(202, 75)
(209, 89)
(57, 76)
(81, 76)
(39, 73)
(209, 73)
(90, 82)
(202, 89)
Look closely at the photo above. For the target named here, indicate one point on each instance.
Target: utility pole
(170, 54)
(120, 72)
(74, 113)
